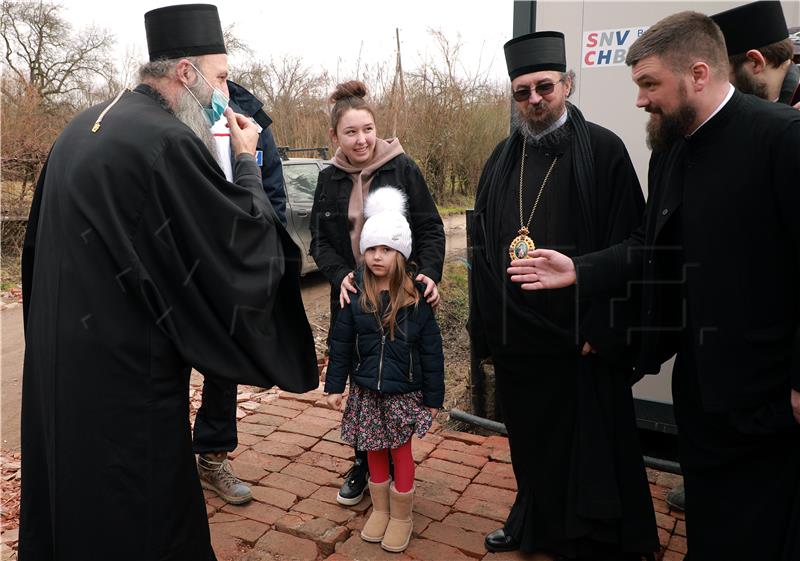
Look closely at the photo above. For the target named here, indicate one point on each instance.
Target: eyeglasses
(524, 94)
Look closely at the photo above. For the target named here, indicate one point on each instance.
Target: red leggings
(378, 461)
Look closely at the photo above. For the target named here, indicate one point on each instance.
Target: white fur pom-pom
(385, 199)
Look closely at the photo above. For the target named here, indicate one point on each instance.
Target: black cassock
(719, 254)
(141, 261)
(582, 487)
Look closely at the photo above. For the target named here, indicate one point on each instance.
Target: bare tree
(42, 51)
(455, 117)
(293, 94)
(235, 45)
(26, 136)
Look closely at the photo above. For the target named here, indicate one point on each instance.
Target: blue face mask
(218, 101)
(218, 104)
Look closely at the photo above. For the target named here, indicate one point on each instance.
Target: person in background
(794, 35)
(215, 432)
(760, 51)
(267, 157)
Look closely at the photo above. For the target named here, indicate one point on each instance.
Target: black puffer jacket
(330, 234)
(412, 361)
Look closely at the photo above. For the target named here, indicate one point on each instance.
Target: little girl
(388, 339)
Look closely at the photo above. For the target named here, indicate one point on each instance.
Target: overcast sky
(330, 34)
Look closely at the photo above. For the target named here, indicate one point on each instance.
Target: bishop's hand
(544, 268)
(244, 133)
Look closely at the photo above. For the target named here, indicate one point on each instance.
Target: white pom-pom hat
(386, 224)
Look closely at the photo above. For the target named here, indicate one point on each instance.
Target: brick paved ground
(290, 452)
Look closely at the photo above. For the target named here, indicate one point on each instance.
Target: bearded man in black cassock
(142, 261)
(562, 370)
(719, 257)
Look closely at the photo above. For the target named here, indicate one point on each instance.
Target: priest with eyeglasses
(563, 363)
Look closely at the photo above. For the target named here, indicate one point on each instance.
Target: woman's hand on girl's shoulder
(348, 285)
(431, 293)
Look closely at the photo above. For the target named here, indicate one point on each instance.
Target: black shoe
(498, 541)
(355, 482)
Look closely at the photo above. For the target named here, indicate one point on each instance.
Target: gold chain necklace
(522, 245)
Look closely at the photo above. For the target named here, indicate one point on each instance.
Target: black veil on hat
(752, 26)
(541, 50)
(184, 30)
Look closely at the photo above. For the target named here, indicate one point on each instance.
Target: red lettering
(586, 59)
(592, 40)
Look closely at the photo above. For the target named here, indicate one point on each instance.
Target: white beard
(191, 114)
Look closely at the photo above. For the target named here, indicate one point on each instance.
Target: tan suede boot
(376, 523)
(398, 532)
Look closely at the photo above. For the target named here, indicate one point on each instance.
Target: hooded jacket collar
(249, 104)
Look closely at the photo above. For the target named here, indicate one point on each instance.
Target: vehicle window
(301, 182)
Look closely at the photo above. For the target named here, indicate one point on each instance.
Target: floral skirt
(376, 421)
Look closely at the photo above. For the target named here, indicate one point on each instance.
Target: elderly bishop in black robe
(562, 367)
(142, 261)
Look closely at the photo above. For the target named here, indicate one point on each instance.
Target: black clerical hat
(752, 26)
(184, 30)
(542, 50)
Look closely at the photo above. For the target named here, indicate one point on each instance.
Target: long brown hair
(402, 293)
(347, 96)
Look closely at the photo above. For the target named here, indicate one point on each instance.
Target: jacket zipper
(358, 354)
(410, 365)
(380, 364)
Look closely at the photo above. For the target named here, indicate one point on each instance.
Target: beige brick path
(291, 454)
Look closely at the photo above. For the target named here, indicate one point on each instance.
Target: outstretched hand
(544, 268)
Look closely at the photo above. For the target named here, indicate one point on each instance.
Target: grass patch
(11, 276)
(452, 317)
(17, 198)
(455, 204)
(449, 210)
(454, 309)
(12, 236)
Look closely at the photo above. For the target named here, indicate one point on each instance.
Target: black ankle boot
(355, 482)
